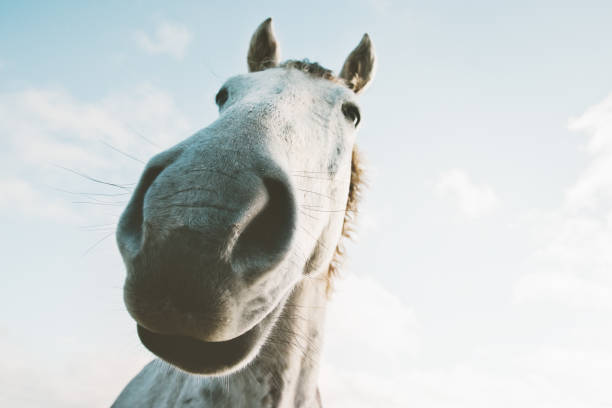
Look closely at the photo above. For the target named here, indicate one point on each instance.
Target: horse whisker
(129, 156)
(123, 187)
(98, 243)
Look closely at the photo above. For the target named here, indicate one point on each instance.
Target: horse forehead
(290, 84)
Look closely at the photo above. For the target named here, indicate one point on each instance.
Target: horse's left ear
(358, 69)
(263, 50)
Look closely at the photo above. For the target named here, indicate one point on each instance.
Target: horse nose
(196, 234)
(130, 229)
(264, 237)
(257, 217)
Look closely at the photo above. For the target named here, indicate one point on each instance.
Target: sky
(481, 273)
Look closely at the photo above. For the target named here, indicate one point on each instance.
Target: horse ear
(264, 50)
(358, 69)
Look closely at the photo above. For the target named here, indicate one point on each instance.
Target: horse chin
(209, 357)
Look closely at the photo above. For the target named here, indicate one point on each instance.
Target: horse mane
(314, 69)
(350, 215)
(308, 67)
(357, 174)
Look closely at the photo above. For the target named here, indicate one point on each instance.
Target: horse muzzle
(201, 231)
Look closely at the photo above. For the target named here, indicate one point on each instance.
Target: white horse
(231, 237)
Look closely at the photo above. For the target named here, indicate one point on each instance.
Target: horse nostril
(129, 231)
(265, 240)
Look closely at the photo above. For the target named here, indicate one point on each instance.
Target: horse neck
(285, 372)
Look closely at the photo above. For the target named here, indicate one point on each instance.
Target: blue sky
(484, 252)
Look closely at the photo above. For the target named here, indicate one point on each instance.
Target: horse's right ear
(358, 69)
(264, 50)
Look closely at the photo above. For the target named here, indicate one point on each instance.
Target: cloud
(472, 199)
(594, 186)
(374, 356)
(572, 261)
(392, 326)
(574, 291)
(88, 375)
(569, 268)
(169, 38)
(370, 335)
(22, 196)
(46, 128)
(50, 125)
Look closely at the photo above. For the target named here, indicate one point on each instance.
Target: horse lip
(207, 357)
(197, 356)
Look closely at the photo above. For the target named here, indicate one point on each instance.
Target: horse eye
(351, 112)
(221, 97)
